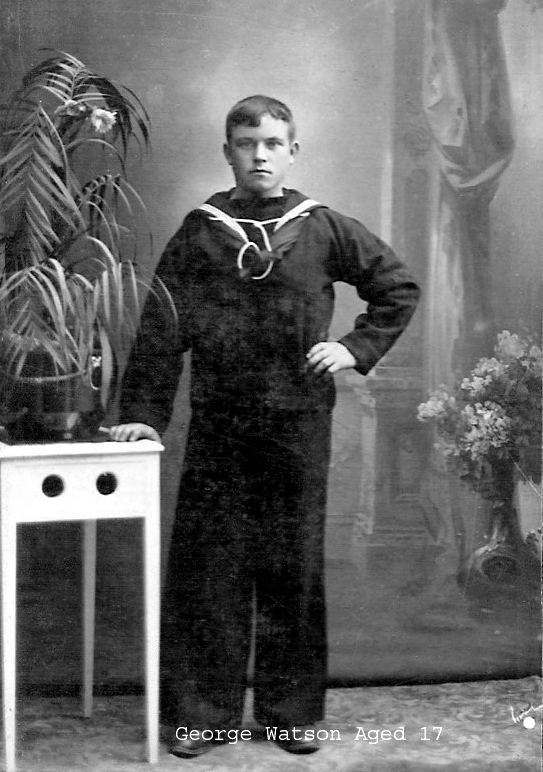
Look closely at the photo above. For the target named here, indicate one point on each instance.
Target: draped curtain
(466, 101)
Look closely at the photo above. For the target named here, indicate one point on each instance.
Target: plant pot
(53, 408)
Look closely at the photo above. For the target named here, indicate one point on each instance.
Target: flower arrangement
(492, 420)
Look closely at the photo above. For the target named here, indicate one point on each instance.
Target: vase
(503, 563)
(498, 561)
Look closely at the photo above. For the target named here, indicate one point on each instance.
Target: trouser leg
(291, 650)
(208, 596)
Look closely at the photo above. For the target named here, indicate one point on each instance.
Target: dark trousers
(248, 533)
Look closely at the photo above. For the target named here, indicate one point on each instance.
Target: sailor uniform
(254, 292)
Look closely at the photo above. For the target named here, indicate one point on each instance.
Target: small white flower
(102, 120)
(436, 406)
(73, 108)
(488, 427)
(476, 385)
(489, 368)
(510, 345)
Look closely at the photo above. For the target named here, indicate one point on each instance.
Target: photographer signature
(525, 716)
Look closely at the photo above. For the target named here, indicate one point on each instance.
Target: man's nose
(260, 151)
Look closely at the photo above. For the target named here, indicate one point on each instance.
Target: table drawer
(77, 488)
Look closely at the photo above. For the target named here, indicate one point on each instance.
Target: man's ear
(294, 150)
(227, 153)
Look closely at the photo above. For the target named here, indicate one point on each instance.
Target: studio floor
(444, 675)
(465, 727)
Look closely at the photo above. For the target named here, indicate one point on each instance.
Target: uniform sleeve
(383, 281)
(155, 364)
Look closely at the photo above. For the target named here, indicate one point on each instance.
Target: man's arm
(382, 280)
(155, 364)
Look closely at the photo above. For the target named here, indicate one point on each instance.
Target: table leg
(151, 546)
(8, 535)
(89, 605)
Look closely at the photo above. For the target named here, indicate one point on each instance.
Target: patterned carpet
(486, 726)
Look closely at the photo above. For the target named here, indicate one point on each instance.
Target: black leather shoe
(301, 740)
(190, 749)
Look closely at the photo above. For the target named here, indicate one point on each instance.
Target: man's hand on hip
(330, 356)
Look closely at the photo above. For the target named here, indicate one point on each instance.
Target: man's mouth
(260, 171)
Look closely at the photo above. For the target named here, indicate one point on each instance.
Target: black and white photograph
(271, 376)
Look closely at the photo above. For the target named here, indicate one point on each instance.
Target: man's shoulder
(220, 199)
(341, 219)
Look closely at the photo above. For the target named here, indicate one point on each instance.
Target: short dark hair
(249, 112)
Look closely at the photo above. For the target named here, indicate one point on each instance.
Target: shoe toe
(188, 749)
(301, 740)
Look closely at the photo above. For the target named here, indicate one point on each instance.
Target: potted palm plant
(70, 231)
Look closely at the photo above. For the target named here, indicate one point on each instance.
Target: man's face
(260, 157)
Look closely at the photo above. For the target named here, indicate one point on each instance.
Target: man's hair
(250, 111)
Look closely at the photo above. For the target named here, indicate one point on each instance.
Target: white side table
(86, 481)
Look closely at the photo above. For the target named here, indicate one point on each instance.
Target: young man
(252, 273)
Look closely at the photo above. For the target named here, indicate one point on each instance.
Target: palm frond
(65, 280)
(33, 182)
(70, 79)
